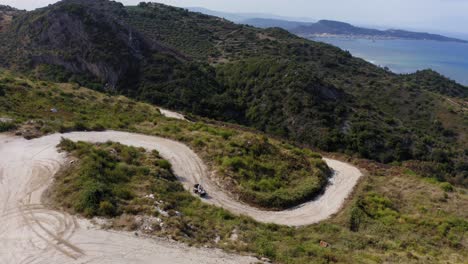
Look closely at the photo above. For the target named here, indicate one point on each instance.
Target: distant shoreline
(403, 56)
(369, 37)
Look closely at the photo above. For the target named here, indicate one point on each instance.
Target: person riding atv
(198, 189)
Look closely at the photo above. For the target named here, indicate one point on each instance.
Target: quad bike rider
(198, 189)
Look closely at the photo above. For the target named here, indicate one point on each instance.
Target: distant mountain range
(330, 28)
(323, 28)
(242, 17)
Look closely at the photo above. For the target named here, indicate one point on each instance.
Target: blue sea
(406, 56)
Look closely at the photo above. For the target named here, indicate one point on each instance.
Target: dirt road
(31, 233)
(172, 114)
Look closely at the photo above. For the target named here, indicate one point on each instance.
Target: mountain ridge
(341, 28)
(306, 26)
(330, 28)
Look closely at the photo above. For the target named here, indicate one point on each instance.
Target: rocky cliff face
(83, 36)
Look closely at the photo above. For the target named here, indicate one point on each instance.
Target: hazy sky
(438, 15)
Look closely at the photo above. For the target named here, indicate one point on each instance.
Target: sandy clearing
(172, 114)
(33, 234)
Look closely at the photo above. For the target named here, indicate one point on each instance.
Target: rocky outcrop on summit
(75, 38)
(83, 36)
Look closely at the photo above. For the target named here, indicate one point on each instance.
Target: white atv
(198, 189)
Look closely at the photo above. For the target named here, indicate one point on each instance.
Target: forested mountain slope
(394, 215)
(269, 79)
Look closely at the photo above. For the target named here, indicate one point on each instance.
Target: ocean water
(406, 56)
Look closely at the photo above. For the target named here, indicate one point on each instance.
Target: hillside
(255, 169)
(395, 215)
(435, 82)
(312, 93)
(7, 14)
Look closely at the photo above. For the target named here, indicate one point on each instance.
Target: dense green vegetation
(6, 126)
(109, 178)
(267, 175)
(259, 170)
(314, 93)
(311, 93)
(396, 216)
(166, 81)
(397, 124)
(433, 81)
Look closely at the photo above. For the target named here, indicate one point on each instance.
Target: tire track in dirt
(172, 114)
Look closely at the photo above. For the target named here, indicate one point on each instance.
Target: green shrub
(266, 248)
(7, 126)
(447, 187)
(2, 90)
(164, 164)
(123, 192)
(106, 208)
(67, 145)
(98, 127)
(198, 142)
(80, 126)
(235, 163)
(90, 198)
(355, 218)
(378, 207)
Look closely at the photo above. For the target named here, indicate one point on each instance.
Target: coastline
(403, 56)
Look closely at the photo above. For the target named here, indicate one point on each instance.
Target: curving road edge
(31, 233)
(172, 114)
